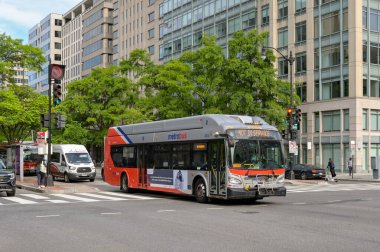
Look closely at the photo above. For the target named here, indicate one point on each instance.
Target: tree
(20, 109)
(13, 52)
(101, 100)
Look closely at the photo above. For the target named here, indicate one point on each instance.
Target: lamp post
(290, 59)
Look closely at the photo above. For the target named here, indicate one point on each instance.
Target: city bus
(207, 156)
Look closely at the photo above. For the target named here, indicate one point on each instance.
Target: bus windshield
(257, 154)
(78, 158)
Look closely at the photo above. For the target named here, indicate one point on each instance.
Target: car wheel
(11, 193)
(67, 179)
(92, 180)
(124, 183)
(303, 176)
(200, 191)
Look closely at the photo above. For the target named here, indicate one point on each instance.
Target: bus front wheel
(200, 191)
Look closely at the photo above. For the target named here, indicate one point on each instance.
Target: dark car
(7, 180)
(306, 171)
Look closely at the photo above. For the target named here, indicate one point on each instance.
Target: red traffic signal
(290, 112)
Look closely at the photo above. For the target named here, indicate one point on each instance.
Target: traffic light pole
(49, 177)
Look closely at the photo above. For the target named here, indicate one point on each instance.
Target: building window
(57, 57)
(332, 89)
(283, 69)
(234, 25)
(300, 6)
(197, 36)
(282, 9)
(151, 17)
(221, 29)
(375, 120)
(331, 121)
(57, 45)
(151, 2)
(365, 119)
(331, 56)
(186, 42)
(301, 32)
(283, 37)
(301, 63)
(304, 122)
(249, 20)
(301, 91)
(58, 22)
(316, 121)
(364, 18)
(346, 120)
(330, 23)
(151, 33)
(151, 50)
(57, 34)
(177, 45)
(265, 15)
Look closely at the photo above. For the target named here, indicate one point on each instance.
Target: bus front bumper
(256, 192)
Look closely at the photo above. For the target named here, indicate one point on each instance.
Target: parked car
(306, 171)
(7, 180)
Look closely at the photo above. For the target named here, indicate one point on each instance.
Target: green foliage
(73, 133)
(13, 52)
(20, 109)
(101, 100)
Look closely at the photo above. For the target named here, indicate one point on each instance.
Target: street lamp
(290, 59)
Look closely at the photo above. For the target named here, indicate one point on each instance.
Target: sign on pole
(293, 147)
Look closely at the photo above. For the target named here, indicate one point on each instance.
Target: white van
(72, 162)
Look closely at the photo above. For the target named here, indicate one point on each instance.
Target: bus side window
(199, 160)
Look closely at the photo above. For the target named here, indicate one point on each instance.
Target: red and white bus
(208, 156)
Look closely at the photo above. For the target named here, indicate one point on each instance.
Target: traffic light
(57, 93)
(298, 117)
(44, 120)
(59, 121)
(290, 112)
(56, 120)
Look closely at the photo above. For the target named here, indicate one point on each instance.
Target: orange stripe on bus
(257, 172)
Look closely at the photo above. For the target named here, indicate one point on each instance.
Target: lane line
(300, 203)
(110, 213)
(215, 208)
(58, 201)
(47, 216)
(169, 210)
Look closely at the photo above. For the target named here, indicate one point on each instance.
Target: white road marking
(34, 196)
(58, 201)
(161, 211)
(127, 195)
(47, 216)
(300, 203)
(100, 196)
(215, 208)
(67, 196)
(111, 213)
(20, 200)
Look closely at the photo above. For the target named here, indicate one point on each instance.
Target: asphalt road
(305, 221)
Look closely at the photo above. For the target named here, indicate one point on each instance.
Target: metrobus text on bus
(208, 156)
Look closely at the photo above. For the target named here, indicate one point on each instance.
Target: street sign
(293, 147)
(41, 137)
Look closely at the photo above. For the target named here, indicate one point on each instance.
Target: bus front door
(142, 167)
(217, 169)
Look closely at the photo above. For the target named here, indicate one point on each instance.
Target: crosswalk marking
(127, 195)
(20, 200)
(34, 196)
(73, 197)
(58, 201)
(100, 196)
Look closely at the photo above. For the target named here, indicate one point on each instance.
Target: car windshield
(257, 154)
(2, 165)
(78, 158)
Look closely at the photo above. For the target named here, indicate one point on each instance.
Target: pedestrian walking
(331, 166)
(349, 165)
(43, 173)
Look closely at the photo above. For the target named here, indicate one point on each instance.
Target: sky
(18, 16)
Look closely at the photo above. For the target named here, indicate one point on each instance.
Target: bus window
(181, 156)
(161, 156)
(124, 156)
(199, 157)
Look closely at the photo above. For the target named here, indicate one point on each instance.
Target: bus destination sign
(256, 133)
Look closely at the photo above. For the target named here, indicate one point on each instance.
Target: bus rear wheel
(200, 191)
(124, 184)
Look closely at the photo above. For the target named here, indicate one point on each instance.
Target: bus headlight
(281, 179)
(234, 180)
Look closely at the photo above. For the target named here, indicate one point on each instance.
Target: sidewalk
(365, 178)
(30, 183)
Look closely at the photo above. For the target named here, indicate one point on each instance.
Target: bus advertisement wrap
(173, 179)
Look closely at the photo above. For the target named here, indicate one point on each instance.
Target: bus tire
(200, 191)
(124, 183)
